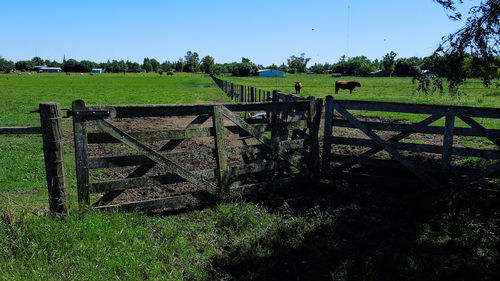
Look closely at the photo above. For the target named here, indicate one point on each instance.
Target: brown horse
(349, 85)
(298, 86)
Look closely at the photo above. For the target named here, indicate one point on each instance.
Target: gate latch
(91, 114)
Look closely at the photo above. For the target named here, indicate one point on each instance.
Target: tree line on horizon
(389, 65)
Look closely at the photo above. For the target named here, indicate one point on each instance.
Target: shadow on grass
(371, 234)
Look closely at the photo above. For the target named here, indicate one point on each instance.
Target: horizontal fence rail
(20, 130)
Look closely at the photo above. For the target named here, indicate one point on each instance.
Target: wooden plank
(181, 134)
(483, 131)
(53, 154)
(165, 110)
(458, 151)
(327, 136)
(447, 146)
(174, 202)
(412, 128)
(132, 183)
(151, 136)
(220, 148)
(387, 147)
(158, 158)
(484, 112)
(81, 155)
(20, 130)
(313, 124)
(274, 116)
(199, 155)
(274, 148)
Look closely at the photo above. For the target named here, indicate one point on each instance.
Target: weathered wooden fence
(403, 153)
(249, 155)
(242, 93)
(53, 151)
(274, 154)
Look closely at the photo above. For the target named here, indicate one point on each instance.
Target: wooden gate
(400, 148)
(274, 153)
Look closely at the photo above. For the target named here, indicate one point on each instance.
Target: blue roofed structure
(271, 73)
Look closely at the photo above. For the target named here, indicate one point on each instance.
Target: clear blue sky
(265, 31)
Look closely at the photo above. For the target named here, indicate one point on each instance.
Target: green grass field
(390, 89)
(326, 232)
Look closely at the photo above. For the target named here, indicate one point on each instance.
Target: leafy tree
(320, 68)
(6, 65)
(479, 38)
(298, 64)
(133, 67)
(407, 67)
(243, 59)
(155, 64)
(86, 66)
(70, 65)
(388, 63)
(272, 66)
(147, 65)
(117, 66)
(192, 61)
(283, 68)
(180, 65)
(167, 66)
(25, 65)
(207, 64)
(37, 61)
(52, 63)
(243, 69)
(217, 70)
(356, 66)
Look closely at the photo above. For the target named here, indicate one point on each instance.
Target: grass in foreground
(323, 233)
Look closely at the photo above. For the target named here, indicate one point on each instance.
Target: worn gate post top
(78, 104)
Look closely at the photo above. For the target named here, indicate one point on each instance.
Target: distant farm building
(428, 73)
(97, 70)
(271, 73)
(377, 73)
(50, 69)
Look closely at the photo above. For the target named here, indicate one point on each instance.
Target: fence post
(220, 147)
(81, 154)
(447, 146)
(313, 119)
(274, 116)
(53, 152)
(327, 138)
(232, 91)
